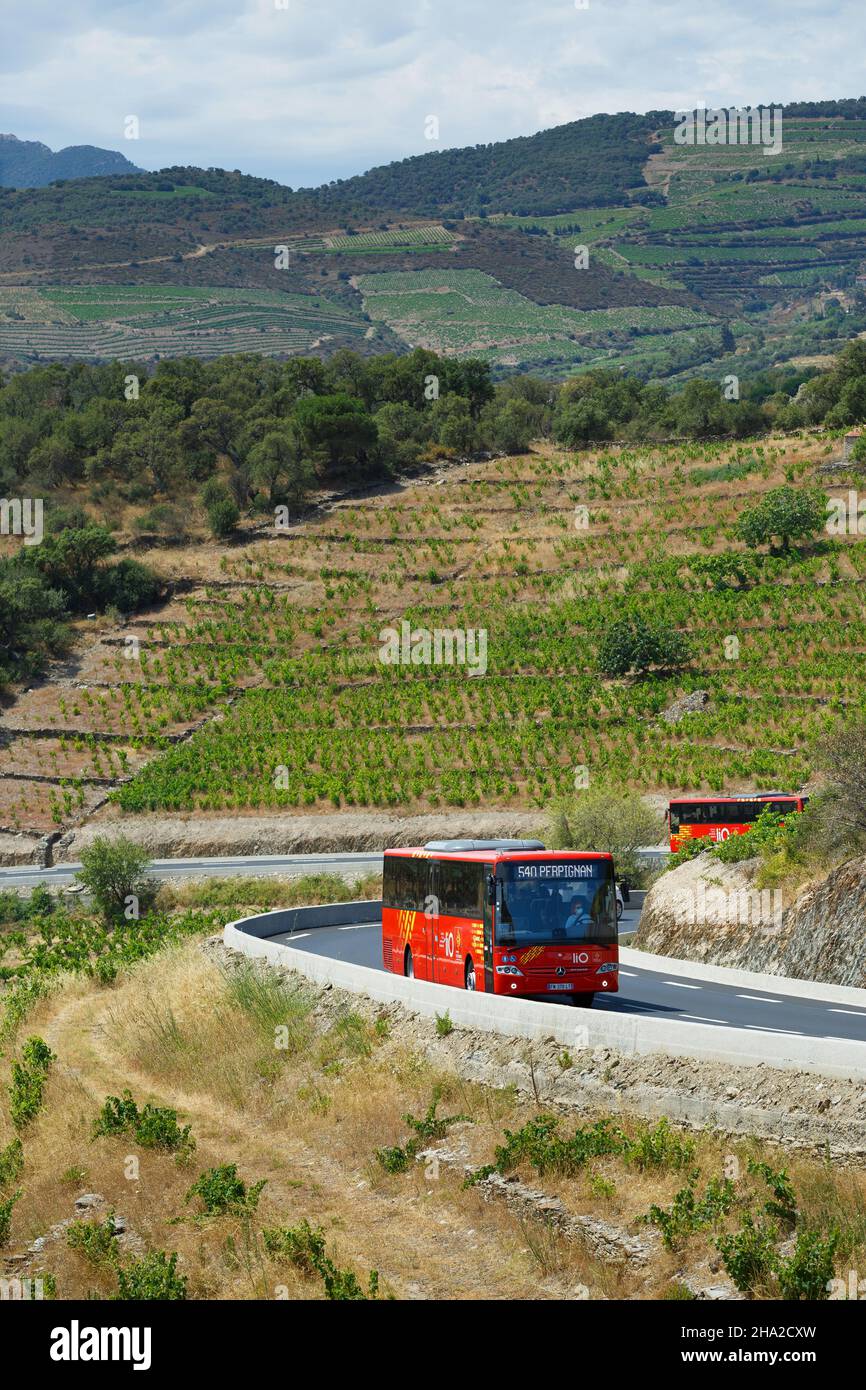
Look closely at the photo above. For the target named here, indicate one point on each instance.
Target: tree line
(132, 433)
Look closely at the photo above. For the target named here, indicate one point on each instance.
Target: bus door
(432, 921)
(488, 941)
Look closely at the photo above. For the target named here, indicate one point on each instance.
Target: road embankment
(716, 914)
(798, 1091)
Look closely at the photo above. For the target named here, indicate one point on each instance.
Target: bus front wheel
(408, 965)
(469, 978)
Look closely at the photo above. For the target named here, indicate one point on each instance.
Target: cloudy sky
(308, 90)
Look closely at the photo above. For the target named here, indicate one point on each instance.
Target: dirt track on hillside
(169, 837)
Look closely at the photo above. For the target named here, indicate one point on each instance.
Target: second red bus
(720, 816)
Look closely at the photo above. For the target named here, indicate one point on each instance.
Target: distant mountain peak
(31, 164)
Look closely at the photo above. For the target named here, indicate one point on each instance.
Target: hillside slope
(260, 687)
(605, 213)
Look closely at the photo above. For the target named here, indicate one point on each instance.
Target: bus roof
(490, 856)
(726, 800)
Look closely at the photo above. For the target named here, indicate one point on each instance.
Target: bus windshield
(556, 901)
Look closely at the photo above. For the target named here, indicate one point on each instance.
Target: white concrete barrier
(494, 1013)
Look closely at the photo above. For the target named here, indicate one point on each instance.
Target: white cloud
(322, 90)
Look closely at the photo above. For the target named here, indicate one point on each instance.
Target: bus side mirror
(491, 890)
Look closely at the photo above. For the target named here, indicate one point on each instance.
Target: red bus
(720, 816)
(502, 917)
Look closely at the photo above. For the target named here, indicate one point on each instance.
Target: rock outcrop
(712, 912)
(692, 703)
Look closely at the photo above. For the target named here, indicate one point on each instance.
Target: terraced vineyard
(431, 236)
(743, 232)
(133, 323)
(328, 724)
(696, 167)
(467, 313)
(725, 234)
(281, 639)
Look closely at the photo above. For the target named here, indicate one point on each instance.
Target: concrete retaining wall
(576, 1028)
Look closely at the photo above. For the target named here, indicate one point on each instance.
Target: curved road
(643, 991)
(219, 866)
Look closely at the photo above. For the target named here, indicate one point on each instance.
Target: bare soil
(196, 833)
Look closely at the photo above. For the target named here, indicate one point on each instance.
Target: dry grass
(260, 892)
(308, 1116)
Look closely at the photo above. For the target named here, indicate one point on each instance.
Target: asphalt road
(641, 991)
(286, 865)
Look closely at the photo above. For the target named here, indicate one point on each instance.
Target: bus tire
(469, 974)
(583, 1001)
(408, 964)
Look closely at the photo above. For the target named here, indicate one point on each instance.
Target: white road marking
(765, 1028)
(856, 1013)
(758, 999)
(298, 935)
(357, 926)
(678, 984)
(699, 1018)
(631, 974)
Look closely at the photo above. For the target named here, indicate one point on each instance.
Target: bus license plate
(561, 985)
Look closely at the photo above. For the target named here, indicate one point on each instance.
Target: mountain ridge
(33, 164)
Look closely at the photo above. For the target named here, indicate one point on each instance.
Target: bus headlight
(508, 970)
(609, 967)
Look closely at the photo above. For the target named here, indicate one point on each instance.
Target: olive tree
(840, 754)
(608, 820)
(785, 513)
(634, 644)
(112, 871)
